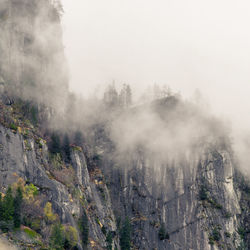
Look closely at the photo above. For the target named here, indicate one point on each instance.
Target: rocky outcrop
(192, 196)
(32, 59)
(20, 157)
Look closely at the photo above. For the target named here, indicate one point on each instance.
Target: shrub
(36, 224)
(50, 216)
(71, 237)
(203, 193)
(214, 236)
(30, 191)
(104, 231)
(215, 204)
(13, 127)
(32, 234)
(242, 232)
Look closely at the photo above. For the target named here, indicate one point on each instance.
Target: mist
(187, 45)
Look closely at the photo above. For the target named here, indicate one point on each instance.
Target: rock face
(193, 197)
(194, 200)
(23, 158)
(32, 59)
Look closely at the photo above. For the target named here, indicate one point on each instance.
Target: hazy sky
(185, 44)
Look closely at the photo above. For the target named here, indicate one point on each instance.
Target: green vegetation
(17, 208)
(214, 236)
(10, 210)
(49, 215)
(55, 144)
(29, 110)
(227, 215)
(29, 191)
(63, 237)
(215, 204)
(78, 140)
(84, 229)
(203, 193)
(104, 230)
(125, 235)
(66, 149)
(242, 232)
(13, 127)
(71, 237)
(34, 115)
(31, 233)
(57, 237)
(242, 246)
(109, 240)
(163, 235)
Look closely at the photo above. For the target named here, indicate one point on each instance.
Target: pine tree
(84, 227)
(17, 207)
(162, 233)
(7, 211)
(1, 207)
(55, 144)
(8, 206)
(66, 148)
(57, 237)
(125, 235)
(78, 140)
(128, 96)
(111, 96)
(109, 240)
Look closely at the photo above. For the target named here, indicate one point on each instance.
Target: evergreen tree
(125, 235)
(84, 227)
(57, 237)
(1, 207)
(34, 114)
(128, 96)
(17, 207)
(66, 148)
(125, 96)
(7, 211)
(111, 96)
(8, 206)
(78, 140)
(109, 241)
(55, 144)
(162, 233)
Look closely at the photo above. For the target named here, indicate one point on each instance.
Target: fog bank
(187, 45)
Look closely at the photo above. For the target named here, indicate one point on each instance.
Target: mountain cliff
(162, 175)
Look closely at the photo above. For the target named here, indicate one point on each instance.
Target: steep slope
(32, 63)
(28, 160)
(182, 199)
(166, 168)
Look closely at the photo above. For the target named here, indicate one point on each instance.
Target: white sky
(186, 44)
